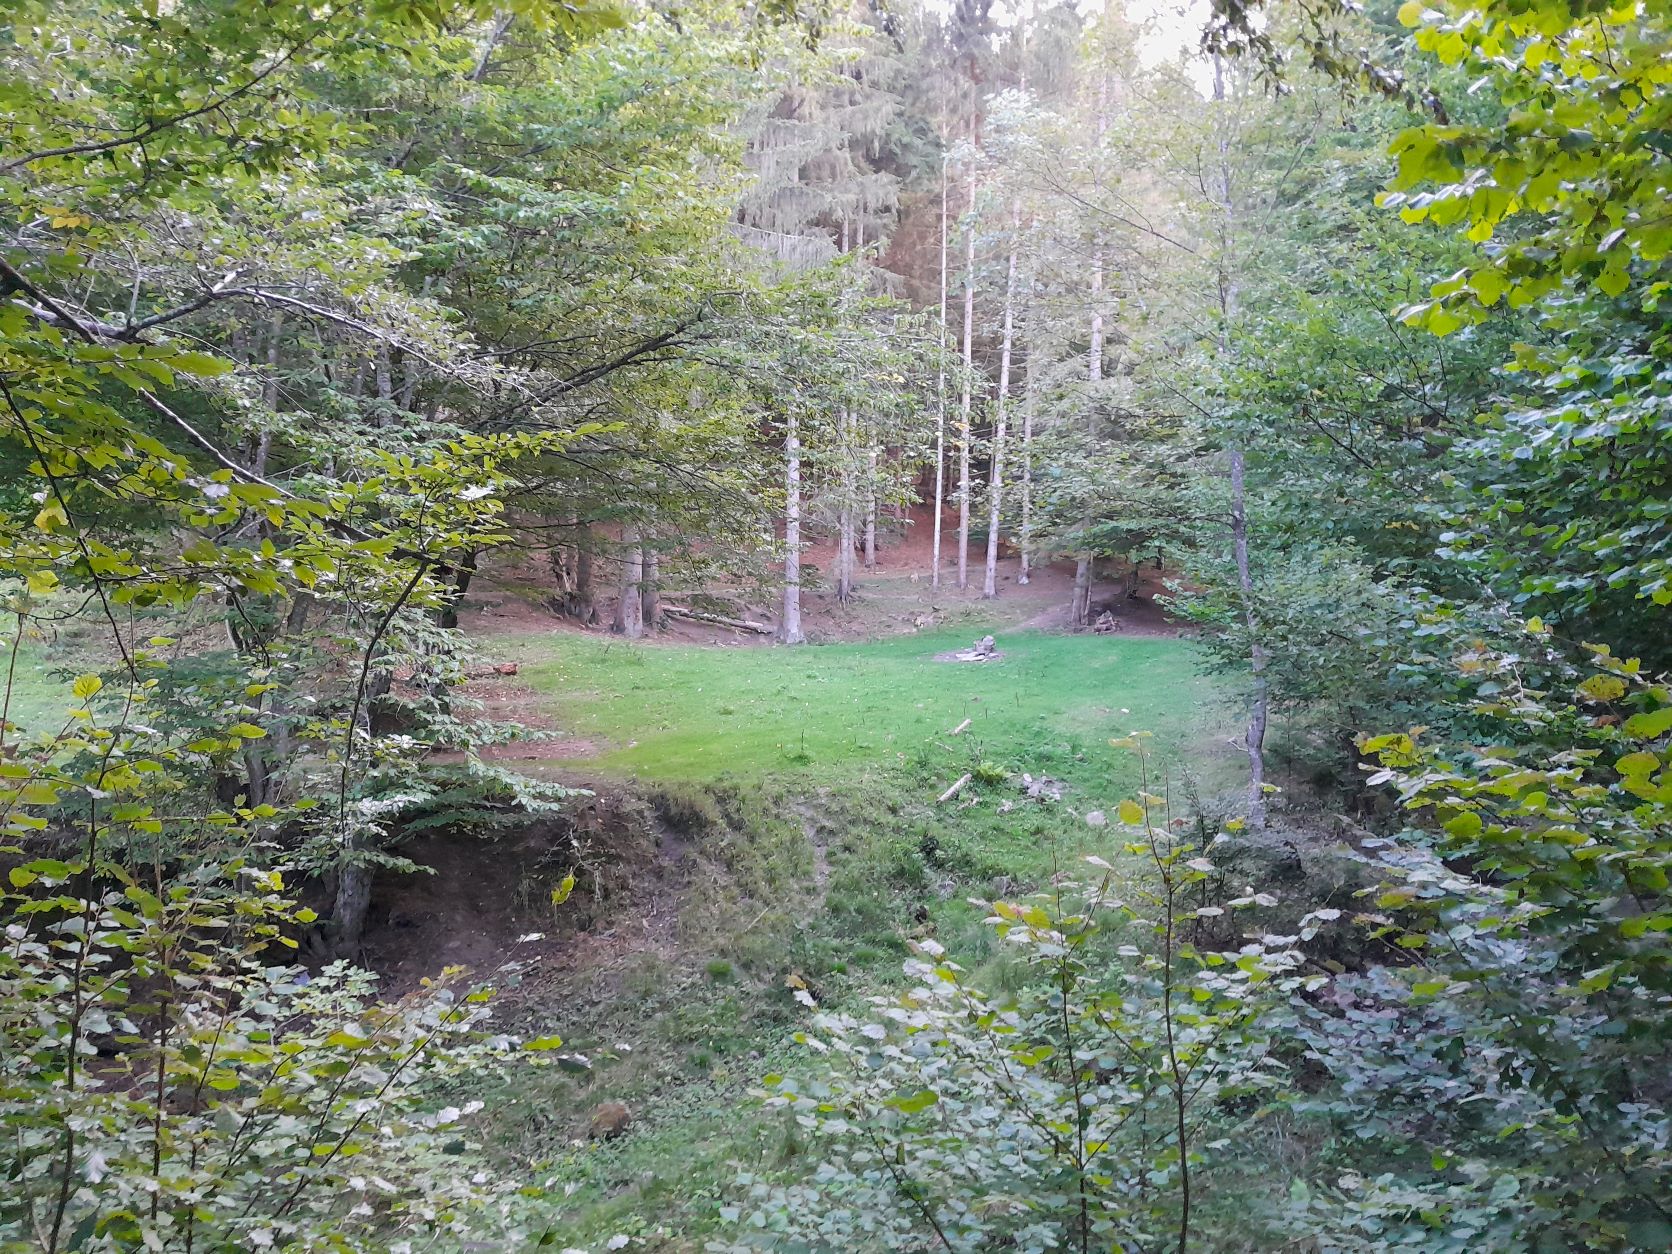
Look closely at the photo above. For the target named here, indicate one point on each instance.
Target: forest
(799, 625)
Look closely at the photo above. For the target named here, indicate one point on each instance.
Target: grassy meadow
(833, 711)
(808, 779)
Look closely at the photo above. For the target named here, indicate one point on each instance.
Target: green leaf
(1637, 765)
(1603, 688)
(918, 1101)
(1488, 285)
(1651, 723)
(1464, 826)
(1599, 979)
(201, 364)
(38, 793)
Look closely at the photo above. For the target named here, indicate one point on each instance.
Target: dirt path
(813, 828)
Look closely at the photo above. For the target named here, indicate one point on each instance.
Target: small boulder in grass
(1096, 818)
(1044, 788)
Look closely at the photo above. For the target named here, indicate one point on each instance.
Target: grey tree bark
(650, 599)
(940, 401)
(629, 607)
(789, 622)
(1085, 562)
(1025, 573)
(870, 545)
(967, 399)
(844, 509)
(995, 481)
(1254, 738)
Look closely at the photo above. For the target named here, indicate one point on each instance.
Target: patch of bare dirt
(484, 903)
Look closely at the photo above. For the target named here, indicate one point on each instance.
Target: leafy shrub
(166, 1086)
(1523, 1059)
(1074, 1115)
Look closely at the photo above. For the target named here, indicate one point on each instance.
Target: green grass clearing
(828, 711)
(827, 761)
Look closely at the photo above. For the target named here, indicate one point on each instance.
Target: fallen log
(954, 790)
(737, 624)
(960, 727)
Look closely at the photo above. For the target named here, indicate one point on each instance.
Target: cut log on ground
(737, 624)
(954, 790)
(960, 727)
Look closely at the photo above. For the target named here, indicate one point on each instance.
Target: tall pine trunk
(872, 455)
(789, 623)
(967, 398)
(844, 509)
(1085, 563)
(995, 481)
(940, 400)
(1025, 573)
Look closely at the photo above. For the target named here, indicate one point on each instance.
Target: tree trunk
(651, 593)
(280, 738)
(844, 511)
(409, 383)
(572, 572)
(448, 614)
(1025, 575)
(353, 897)
(1254, 740)
(385, 384)
(562, 559)
(940, 400)
(1084, 575)
(871, 508)
(629, 606)
(269, 396)
(352, 887)
(995, 481)
(382, 718)
(584, 606)
(789, 624)
(411, 367)
(966, 399)
(258, 790)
